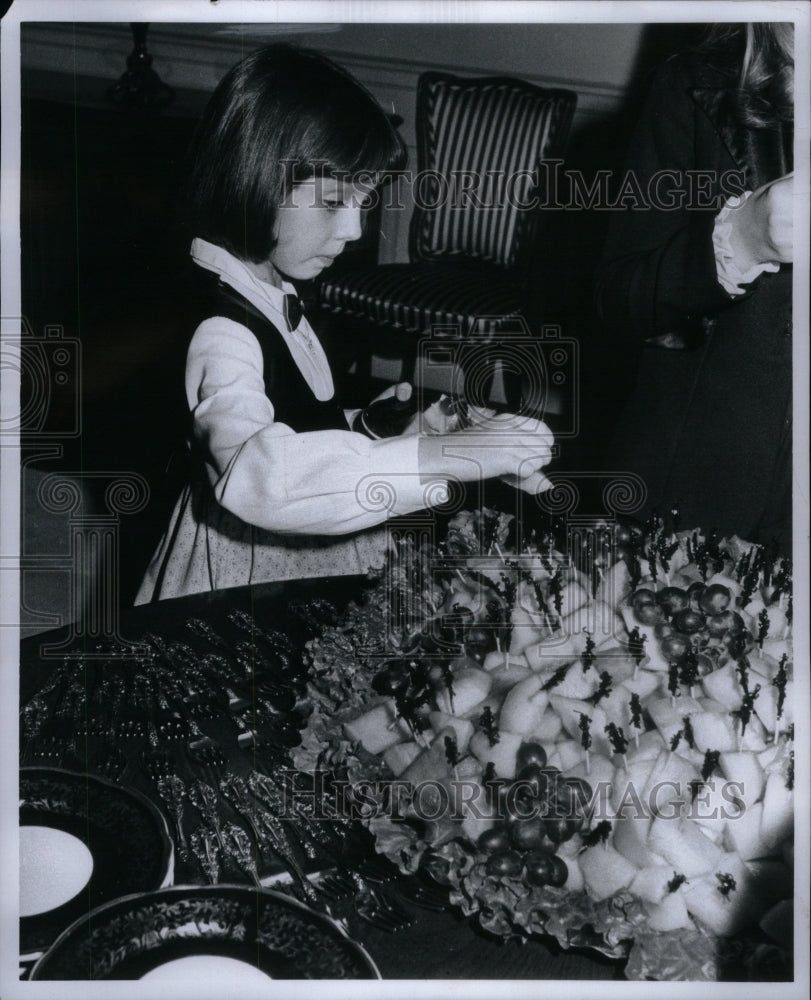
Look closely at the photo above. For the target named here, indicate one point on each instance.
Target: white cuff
(394, 469)
(730, 277)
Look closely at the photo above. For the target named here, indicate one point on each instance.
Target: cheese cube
(725, 913)
(684, 845)
(605, 871)
(669, 915)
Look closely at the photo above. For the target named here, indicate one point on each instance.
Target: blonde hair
(764, 95)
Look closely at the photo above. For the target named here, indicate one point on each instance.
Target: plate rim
(167, 865)
(213, 890)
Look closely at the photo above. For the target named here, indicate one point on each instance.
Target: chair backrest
(479, 145)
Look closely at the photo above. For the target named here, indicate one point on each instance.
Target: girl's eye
(333, 204)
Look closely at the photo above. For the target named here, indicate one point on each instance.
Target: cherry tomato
(648, 614)
(462, 613)
(567, 809)
(688, 621)
(530, 753)
(738, 644)
(478, 636)
(629, 533)
(559, 872)
(534, 778)
(497, 838)
(581, 792)
(553, 778)
(559, 799)
(700, 639)
(674, 647)
(715, 598)
(519, 802)
(622, 534)
(503, 863)
(673, 599)
(392, 679)
(479, 642)
(718, 625)
(734, 623)
(538, 866)
(662, 629)
(560, 828)
(643, 596)
(528, 833)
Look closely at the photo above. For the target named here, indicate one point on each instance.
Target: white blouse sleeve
(320, 482)
(730, 276)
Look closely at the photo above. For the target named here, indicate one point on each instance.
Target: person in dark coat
(698, 268)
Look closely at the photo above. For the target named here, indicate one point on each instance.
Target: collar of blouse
(303, 344)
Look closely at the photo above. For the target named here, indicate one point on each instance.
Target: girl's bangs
(376, 152)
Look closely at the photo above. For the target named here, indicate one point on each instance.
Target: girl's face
(317, 220)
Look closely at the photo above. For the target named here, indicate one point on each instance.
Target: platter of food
(592, 742)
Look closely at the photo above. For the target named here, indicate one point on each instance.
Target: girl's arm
(321, 482)
(327, 482)
(509, 446)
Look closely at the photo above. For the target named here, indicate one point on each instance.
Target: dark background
(103, 246)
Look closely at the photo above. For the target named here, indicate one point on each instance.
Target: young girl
(289, 149)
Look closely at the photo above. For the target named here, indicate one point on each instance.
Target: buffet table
(119, 741)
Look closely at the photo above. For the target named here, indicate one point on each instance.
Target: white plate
(183, 931)
(66, 817)
(54, 867)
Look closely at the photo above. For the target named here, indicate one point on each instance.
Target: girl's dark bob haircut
(281, 116)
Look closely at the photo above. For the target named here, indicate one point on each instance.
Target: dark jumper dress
(236, 552)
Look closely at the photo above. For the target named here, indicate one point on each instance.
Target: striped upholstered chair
(469, 242)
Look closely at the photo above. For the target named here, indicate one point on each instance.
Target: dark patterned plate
(212, 931)
(116, 838)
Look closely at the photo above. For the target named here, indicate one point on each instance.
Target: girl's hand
(535, 482)
(762, 228)
(401, 391)
(388, 420)
(497, 445)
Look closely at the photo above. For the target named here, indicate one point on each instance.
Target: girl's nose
(349, 224)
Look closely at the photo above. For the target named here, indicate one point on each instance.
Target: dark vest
(294, 402)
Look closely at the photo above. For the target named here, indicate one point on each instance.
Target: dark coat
(708, 426)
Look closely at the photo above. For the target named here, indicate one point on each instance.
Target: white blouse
(261, 470)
